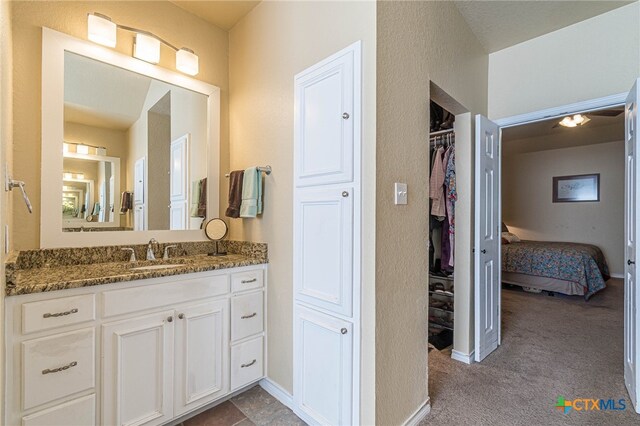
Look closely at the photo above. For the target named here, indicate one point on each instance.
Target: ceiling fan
(580, 119)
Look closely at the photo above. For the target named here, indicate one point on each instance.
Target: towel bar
(265, 169)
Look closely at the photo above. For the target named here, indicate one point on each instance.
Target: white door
(324, 347)
(323, 244)
(487, 238)
(631, 232)
(138, 218)
(325, 95)
(179, 182)
(201, 354)
(137, 370)
(138, 181)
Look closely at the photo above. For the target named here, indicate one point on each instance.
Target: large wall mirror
(128, 148)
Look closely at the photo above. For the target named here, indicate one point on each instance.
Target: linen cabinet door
(323, 246)
(137, 375)
(201, 357)
(323, 388)
(324, 122)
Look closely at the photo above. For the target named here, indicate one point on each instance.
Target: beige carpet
(551, 346)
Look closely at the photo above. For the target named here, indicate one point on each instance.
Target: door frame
(618, 99)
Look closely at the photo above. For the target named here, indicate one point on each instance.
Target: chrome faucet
(132, 258)
(150, 255)
(166, 251)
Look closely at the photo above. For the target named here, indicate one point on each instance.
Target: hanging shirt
(436, 186)
(451, 195)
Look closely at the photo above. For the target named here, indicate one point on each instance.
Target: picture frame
(576, 188)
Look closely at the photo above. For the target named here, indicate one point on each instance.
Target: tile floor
(253, 407)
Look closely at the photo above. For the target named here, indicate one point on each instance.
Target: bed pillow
(511, 238)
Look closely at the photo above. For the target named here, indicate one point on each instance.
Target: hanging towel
(251, 193)
(126, 202)
(202, 199)
(235, 193)
(195, 198)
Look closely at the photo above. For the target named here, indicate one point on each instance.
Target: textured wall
(591, 59)
(417, 42)
(529, 212)
(162, 18)
(275, 41)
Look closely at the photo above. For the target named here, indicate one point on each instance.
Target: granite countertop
(37, 271)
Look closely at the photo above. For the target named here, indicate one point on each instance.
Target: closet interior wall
(442, 197)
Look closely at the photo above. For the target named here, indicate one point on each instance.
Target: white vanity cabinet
(136, 353)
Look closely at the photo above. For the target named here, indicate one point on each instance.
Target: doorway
(488, 248)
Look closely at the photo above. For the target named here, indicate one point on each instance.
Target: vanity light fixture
(576, 120)
(146, 47)
(67, 175)
(82, 149)
(101, 29)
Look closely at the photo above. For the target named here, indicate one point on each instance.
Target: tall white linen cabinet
(327, 235)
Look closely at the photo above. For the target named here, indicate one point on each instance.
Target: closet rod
(265, 169)
(441, 132)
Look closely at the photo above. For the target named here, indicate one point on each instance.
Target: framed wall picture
(576, 188)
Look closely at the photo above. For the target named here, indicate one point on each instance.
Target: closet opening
(449, 276)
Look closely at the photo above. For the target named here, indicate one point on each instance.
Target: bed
(568, 268)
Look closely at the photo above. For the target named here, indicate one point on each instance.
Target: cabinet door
(178, 215)
(324, 122)
(137, 370)
(202, 348)
(323, 367)
(138, 218)
(138, 181)
(323, 246)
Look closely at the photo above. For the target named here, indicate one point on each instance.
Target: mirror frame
(54, 44)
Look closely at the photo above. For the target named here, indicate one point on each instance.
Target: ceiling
(543, 136)
(222, 14)
(500, 24)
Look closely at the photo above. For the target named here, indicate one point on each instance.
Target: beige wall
(162, 18)
(591, 59)
(6, 110)
(417, 42)
(267, 48)
(529, 212)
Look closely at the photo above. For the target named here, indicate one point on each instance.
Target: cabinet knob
(181, 316)
(345, 115)
(343, 330)
(345, 194)
(170, 319)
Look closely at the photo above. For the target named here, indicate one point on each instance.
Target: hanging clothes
(451, 195)
(436, 186)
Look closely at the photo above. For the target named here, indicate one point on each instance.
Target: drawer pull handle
(59, 369)
(248, 365)
(249, 316)
(249, 281)
(60, 314)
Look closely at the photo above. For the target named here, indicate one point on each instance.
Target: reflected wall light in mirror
(102, 30)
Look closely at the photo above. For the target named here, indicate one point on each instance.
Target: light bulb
(101, 30)
(147, 48)
(187, 61)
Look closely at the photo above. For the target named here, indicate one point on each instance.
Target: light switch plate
(400, 193)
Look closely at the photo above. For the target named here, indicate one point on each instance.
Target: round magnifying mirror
(216, 229)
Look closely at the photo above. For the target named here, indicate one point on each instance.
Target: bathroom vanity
(119, 343)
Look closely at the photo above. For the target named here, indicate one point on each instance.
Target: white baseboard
(277, 391)
(616, 275)
(459, 356)
(419, 415)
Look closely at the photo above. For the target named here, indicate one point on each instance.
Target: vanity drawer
(79, 412)
(248, 280)
(56, 366)
(37, 316)
(247, 362)
(247, 315)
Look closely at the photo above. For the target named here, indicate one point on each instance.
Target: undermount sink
(152, 267)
